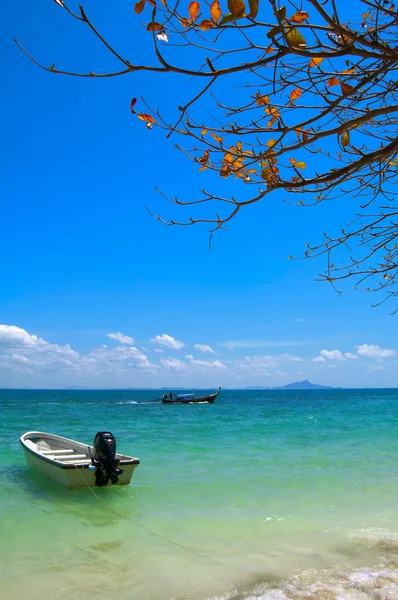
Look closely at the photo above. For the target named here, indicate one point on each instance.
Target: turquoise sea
(287, 495)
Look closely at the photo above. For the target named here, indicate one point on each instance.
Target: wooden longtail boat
(189, 398)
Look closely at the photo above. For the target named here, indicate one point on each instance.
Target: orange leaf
(333, 81)
(271, 143)
(225, 171)
(185, 22)
(204, 159)
(236, 7)
(314, 62)
(298, 165)
(215, 11)
(299, 17)
(345, 88)
(153, 26)
(295, 94)
(274, 112)
(139, 7)
(193, 10)
(206, 25)
(261, 100)
(204, 131)
(229, 158)
(217, 138)
(349, 71)
(145, 117)
(345, 139)
(239, 146)
(203, 168)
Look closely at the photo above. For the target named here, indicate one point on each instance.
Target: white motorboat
(75, 464)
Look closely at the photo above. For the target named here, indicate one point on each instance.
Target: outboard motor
(103, 458)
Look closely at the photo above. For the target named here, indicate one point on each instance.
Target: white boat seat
(64, 451)
(77, 462)
(65, 457)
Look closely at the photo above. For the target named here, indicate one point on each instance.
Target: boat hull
(203, 400)
(71, 475)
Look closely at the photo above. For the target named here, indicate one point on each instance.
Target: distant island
(304, 385)
(297, 385)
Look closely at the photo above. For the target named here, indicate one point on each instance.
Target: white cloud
(374, 351)
(37, 356)
(263, 364)
(158, 349)
(210, 364)
(376, 368)
(173, 363)
(232, 345)
(189, 356)
(14, 337)
(22, 359)
(299, 320)
(121, 338)
(204, 348)
(319, 359)
(332, 354)
(167, 340)
(350, 355)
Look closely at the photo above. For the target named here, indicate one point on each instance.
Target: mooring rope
(162, 537)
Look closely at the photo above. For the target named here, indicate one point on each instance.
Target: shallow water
(283, 494)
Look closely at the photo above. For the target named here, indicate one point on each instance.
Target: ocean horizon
(267, 495)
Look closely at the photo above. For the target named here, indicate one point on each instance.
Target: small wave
(380, 583)
(375, 538)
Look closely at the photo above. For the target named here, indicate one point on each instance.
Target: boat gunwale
(201, 400)
(61, 465)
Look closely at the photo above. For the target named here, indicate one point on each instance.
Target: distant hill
(304, 385)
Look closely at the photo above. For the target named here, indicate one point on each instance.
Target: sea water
(267, 495)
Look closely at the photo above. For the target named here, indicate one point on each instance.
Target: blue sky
(82, 259)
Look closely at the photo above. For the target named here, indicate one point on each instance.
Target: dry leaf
(153, 26)
(253, 5)
(145, 117)
(333, 81)
(206, 25)
(215, 11)
(295, 94)
(345, 88)
(295, 38)
(193, 10)
(225, 171)
(261, 100)
(299, 17)
(298, 165)
(217, 138)
(345, 139)
(239, 146)
(314, 62)
(204, 131)
(236, 7)
(139, 7)
(205, 158)
(274, 112)
(229, 158)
